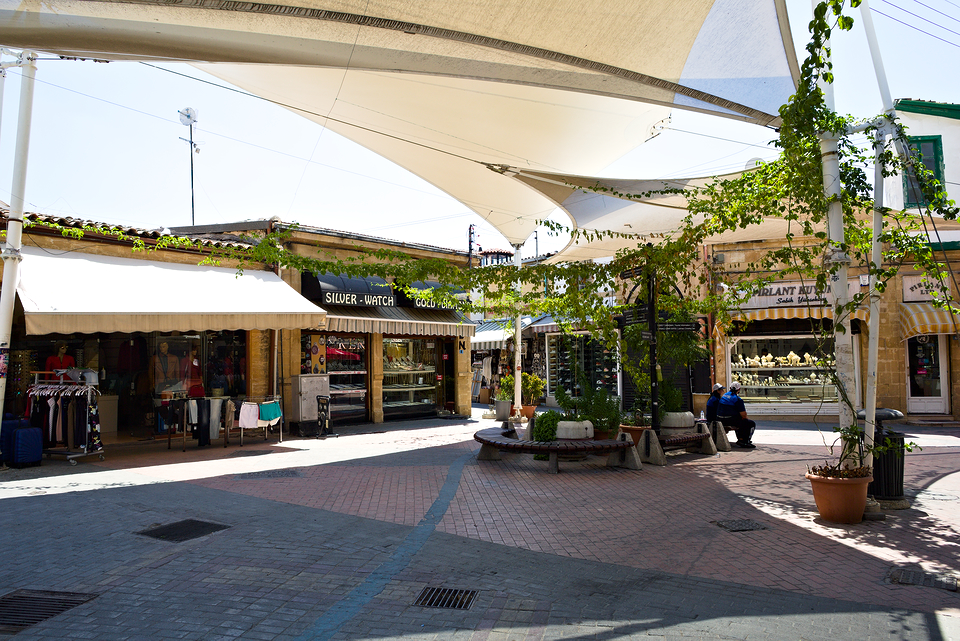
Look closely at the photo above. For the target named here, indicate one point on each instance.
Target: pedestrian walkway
(336, 539)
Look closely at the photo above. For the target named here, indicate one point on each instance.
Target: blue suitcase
(10, 424)
(27, 447)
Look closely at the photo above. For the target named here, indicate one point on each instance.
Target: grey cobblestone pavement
(341, 543)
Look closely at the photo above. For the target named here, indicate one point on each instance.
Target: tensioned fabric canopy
(925, 318)
(66, 292)
(448, 90)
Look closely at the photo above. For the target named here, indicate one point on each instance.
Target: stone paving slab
(342, 549)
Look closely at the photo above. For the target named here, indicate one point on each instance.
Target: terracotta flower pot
(840, 500)
(635, 431)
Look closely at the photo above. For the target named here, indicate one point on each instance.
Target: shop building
(153, 326)
(382, 355)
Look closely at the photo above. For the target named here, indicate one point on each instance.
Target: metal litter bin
(887, 481)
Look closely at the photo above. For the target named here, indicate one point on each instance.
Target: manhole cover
(446, 598)
(23, 608)
(237, 453)
(270, 474)
(913, 576)
(741, 525)
(183, 530)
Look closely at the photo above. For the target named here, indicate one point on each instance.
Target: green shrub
(545, 426)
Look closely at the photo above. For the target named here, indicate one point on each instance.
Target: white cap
(717, 386)
(735, 386)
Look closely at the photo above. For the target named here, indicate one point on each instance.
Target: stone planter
(502, 409)
(840, 500)
(677, 423)
(574, 430)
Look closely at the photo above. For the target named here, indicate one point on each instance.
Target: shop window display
(410, 380)
(565, 354)
(784, 369)
(345, 360)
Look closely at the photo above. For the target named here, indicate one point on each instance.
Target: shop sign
(359, 300)
(916, 289)
(795, 294)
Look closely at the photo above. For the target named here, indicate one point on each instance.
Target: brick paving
(335, 539)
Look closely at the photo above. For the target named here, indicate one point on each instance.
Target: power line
(919, 17)
(906, 24)
(937, 11)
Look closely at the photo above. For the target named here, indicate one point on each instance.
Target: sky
(107, 143)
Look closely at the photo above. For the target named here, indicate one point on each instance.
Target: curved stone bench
(494, 440)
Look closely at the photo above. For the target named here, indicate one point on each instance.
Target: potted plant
(595, 405)
(531, 389)
(840, 486)
(503, 400)
(673, 417)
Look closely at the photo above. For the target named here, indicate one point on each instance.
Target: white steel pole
(11, 251)
(517, 344)
(876, 258)
(843, 343)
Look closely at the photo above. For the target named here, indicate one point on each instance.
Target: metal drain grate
(23, 608)
(270, 474)
(741, 525)
(913, 576)
(183, 530)
(446, 598)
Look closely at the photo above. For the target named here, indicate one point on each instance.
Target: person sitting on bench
(732, 413)
(713, 402)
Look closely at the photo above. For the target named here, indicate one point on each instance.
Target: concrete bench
(494, 440)
(652, 446)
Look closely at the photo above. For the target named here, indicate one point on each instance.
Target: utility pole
(470, 239)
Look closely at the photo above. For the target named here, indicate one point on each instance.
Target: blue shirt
(730, 405)
(712, 403)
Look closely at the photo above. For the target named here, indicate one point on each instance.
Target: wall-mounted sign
(359, 299)
(795, 294)
(916, 289)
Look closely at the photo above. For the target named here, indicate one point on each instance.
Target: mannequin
(166, 368)
(190, 370)
(61, 360)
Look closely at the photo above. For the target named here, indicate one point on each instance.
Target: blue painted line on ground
(331, 622)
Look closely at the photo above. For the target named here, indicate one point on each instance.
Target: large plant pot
(528, 411)
(503, 409)
(677, 423)
(635, 431)
(574, 430)
(840, 500)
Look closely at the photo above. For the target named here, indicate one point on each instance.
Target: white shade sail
(85, 293)
(446, 89)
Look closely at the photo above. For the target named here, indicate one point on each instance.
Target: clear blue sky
(106, 142)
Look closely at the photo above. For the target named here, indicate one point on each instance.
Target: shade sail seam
(459, 36)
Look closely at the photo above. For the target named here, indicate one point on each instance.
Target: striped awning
(396, 321)
(491, 339)
(780, 313)
(924, 318)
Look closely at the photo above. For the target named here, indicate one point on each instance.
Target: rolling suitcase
(9, 425)
(27, 447)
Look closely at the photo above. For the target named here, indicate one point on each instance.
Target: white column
(517, 344)
(11, 251)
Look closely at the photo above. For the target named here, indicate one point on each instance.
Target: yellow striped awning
(777, 313)
(925, 318)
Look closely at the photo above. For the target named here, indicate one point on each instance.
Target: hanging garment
(203, 421)
(249, 415)
(229, 415)
(215, 405)
(269, 414)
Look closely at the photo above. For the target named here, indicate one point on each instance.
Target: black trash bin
(887, 481)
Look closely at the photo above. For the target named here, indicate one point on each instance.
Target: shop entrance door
(926, 380)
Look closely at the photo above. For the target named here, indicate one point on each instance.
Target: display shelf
(776, 381)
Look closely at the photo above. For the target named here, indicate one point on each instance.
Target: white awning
(64, 293)
(491, 339)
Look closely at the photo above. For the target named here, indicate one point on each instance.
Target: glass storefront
(411, 385)
(784, 369)
(579, 352)
(344, 359)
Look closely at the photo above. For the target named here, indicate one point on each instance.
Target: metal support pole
(843, 340)
(193, 218)
(876, 258)
(517, 344)
(654, 366)
(11, 251)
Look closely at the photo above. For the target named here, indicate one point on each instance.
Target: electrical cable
(919, 17)
(907, 24)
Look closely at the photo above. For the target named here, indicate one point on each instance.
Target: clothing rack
(65, 387)
(261, 412)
